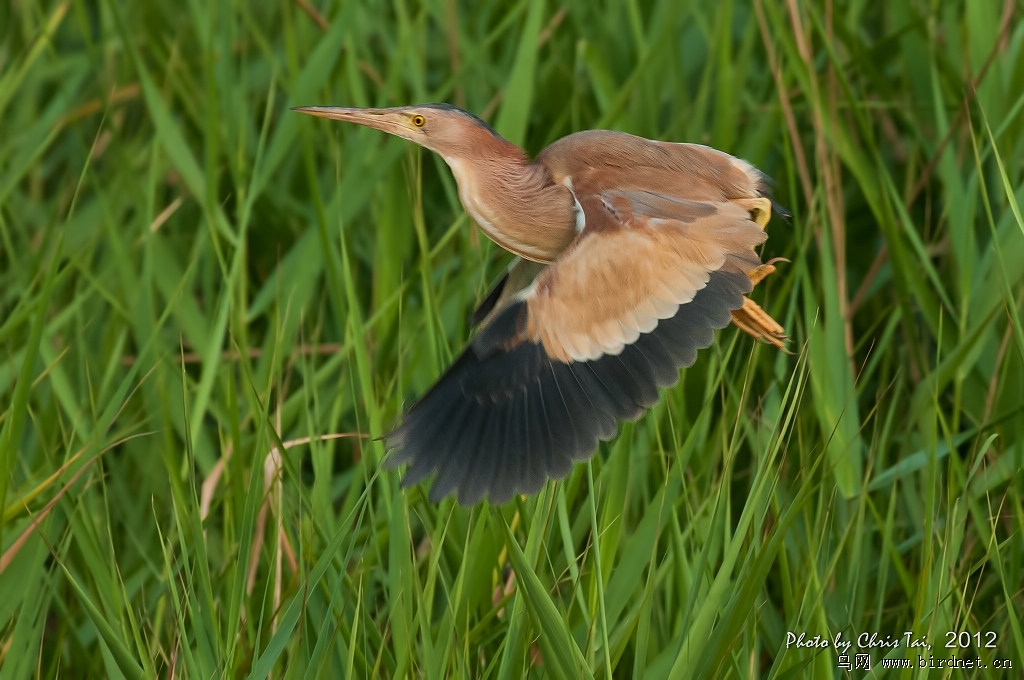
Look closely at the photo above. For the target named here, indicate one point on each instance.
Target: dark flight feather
(505, 417)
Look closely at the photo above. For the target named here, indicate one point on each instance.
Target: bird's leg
(750, 318)
(753, 320)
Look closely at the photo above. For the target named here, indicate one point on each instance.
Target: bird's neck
(516, 203)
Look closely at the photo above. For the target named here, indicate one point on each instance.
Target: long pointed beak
(386, 120)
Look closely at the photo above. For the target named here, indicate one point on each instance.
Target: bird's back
(594, 160)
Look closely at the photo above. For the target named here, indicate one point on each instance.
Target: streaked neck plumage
(515, 202)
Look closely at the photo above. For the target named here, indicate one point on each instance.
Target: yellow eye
(418, 120)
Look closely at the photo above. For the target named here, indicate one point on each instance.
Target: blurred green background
(210, 307)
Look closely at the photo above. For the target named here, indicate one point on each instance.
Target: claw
(756, 322)
(758, 274)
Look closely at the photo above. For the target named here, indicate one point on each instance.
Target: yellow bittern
(631, 253)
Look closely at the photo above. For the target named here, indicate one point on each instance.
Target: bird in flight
(630, 254)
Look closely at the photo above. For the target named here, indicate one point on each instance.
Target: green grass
(199, 290)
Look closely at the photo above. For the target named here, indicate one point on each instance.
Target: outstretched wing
(587, 343)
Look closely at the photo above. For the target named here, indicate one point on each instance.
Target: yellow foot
(759, 273)
(754, 321)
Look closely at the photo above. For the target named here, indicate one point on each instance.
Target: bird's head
(442, 128)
